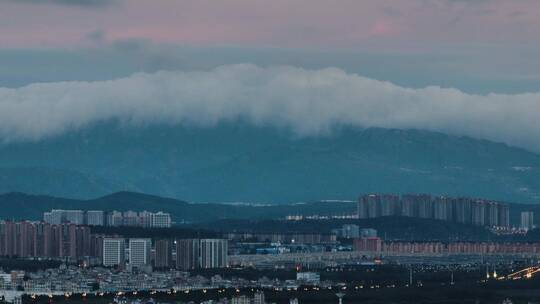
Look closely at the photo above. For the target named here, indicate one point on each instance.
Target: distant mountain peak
(239, 162)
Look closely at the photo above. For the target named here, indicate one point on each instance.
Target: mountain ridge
(241, 162)
(21, 206)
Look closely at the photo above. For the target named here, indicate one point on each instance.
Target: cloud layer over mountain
(309, 102)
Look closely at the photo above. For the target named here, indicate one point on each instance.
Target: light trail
(525, 273)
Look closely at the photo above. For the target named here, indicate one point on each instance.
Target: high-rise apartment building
(373, 205)
(96, 246)
(424, 206)
(389, 205)
(442, 208)
(145, 218)
(409, 205)
(48, 217)
(213, 253)
(113, 252)
(478, 212)
(139, 252)
(130, 218)
(492, 214)
(55, 217)
(460, 210)
(527, 220)
(161, 220)
(42, 240)
(115, 219)
(38, 239)
(95, 218)
(362, 211)
(163, 253)
(187, 254)
(504, 215)
(74, 216)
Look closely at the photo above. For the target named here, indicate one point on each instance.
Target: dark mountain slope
(239, 162)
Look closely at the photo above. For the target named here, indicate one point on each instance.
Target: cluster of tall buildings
(460, 210)
(112, 218)
(75, 242)
(184, 254)
(139, 252)
(201, 253)
(38, 239)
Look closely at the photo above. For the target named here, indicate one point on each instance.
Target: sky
(412, 24)
(465, 67)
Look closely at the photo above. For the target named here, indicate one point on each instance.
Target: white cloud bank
(310, 102)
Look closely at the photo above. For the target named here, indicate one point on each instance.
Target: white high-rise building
(58, 216)
(74, 216)
(113, 252)
(130, 218)
(161, 220)
(115, 219)
(145, 218)
(48, 217)
(527, 220)
(55, 217)
(213, 253)
(95, 217)
(139, 252)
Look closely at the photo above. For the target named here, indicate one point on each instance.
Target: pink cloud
(383, 28)
(280, 23)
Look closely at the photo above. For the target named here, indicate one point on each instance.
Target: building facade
(459, 210)
(113, 252)
(527, 220)
(187, 254)
(95, 218)
(163, 253)
(139, 252)
(213, 253)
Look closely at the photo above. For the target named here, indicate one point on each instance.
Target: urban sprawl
(101, 262)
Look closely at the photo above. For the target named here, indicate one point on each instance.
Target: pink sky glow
(276, 23)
